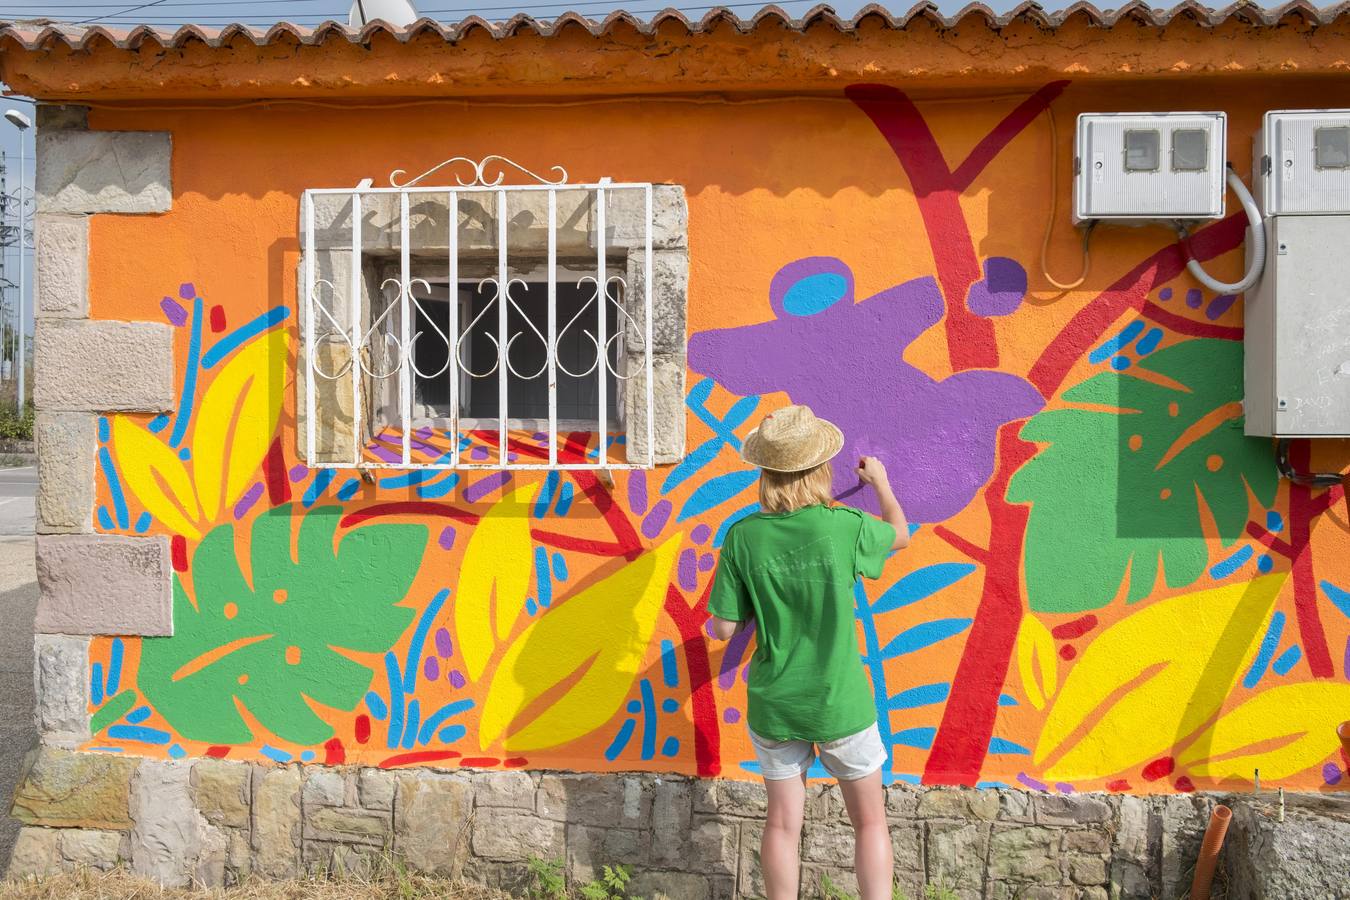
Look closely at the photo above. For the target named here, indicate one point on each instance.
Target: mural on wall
(1108, 587)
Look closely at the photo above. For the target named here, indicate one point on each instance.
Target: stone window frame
(380, 239)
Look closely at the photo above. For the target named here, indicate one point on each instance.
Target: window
(1190, 150)
(1332, 147)
(1142, 150)
(491, 325)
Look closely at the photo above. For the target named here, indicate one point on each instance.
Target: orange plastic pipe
(1209, 852)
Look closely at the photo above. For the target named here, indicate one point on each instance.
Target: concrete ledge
(96, 366)
(104, 584)
(103, 171)
(61, 683)
(66, 444)
(61, 267)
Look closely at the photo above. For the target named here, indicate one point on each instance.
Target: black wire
(123, 12)
(514, 8)
(1315, 479)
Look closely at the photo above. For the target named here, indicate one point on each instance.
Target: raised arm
(871, 471)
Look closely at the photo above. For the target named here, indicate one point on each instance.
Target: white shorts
(848, 758)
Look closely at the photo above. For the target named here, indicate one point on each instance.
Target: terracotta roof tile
(39, 34)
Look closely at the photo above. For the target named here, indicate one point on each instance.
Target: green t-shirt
(793, 573)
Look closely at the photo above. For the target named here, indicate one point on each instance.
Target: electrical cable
(1313, 479)
(1258, 240)
(1050, 223)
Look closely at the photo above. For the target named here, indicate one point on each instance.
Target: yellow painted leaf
(1282, 731)
(157, 477)
(1153, 679)
(493, 580)
(1036, 661)
(236, 420)
(586, 649)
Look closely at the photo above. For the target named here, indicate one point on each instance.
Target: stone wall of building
(217, 821)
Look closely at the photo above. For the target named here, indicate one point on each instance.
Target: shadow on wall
(17, 731)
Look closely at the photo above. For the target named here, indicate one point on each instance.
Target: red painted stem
(1301, 514)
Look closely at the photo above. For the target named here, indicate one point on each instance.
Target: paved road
(17, 490)
(18, 603)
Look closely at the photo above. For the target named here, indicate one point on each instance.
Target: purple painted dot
(637, 493)
(656, 519)
(187, 290)
(1063, 788)
(1331, 773)
(431, 668)
(1165, 294)
(688, 570)
(1030, 782)
(745, 673)
(1219, 305)
(1194, 298)
(1002, 289)
(478, 453)
(298, 471)
(246, 502)
(456, 678)
(512, 457)
(731, 715)
(444, 646)
(708, 628)
(176, 315)
(539, 436)
(700, 534)
(706, 562)
(447, 538)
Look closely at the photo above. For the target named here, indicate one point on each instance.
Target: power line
(560, 7)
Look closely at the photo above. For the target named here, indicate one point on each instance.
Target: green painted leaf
(276, 645)
(1117, 493)
(111, 711)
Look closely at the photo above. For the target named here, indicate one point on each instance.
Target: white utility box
(1297, 336)
(1302, 162)
(1148, 166)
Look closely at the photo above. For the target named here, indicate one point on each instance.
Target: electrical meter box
(1139, 167)
(1297, 335)
(1302, 162)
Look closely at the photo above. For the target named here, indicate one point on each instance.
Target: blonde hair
(783, 492)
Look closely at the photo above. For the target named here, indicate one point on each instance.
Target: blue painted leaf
(919, 738)
(716, 491)
(921, 583)
(923, 695)
(921, 636)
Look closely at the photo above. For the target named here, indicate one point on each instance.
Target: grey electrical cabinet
(1302, 164)
(1298, 331)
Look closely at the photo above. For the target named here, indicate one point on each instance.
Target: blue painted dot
(158, 424)
(670, 705)
(103, 428)
(177, 752)
(634, 706)
(1165, 294)
(185, 454)
(1274, 521)
(815, 293)
(143, 523)
(531, 607)
(307, 756)
(671, 747)
(1120, 363)
(1265, 563)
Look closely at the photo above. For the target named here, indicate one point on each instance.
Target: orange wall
(1157, 694)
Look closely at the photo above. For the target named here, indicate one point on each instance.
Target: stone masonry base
(213, 822)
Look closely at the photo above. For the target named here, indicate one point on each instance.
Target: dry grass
(121, 885)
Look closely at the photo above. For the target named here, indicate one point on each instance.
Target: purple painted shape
(936, 438)
(688, 570)
(246, 502)
(447, 538)
(1331, 773)
(706, 562)
(1030, 782)
(478, 453)
(457, 678)
(700, 534)
(1063, 788)
(1002, 289)
(1219, 305)
(1345, 663)
(731, 715)
(444, 646)
(1194, 298)
(731, 657)
(1165, 294)
(298, 471)
(656, 519)
(745, 673)
(187, 290)
(176, 315)
(431, 668)
(384, 454)
(637, 492)
(484, 486)
(424, 433)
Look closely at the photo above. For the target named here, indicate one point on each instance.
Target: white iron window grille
(446, 327)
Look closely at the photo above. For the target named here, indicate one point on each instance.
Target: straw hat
(792, 440)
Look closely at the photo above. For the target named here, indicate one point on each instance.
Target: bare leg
(779, 853)
(873, 856)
